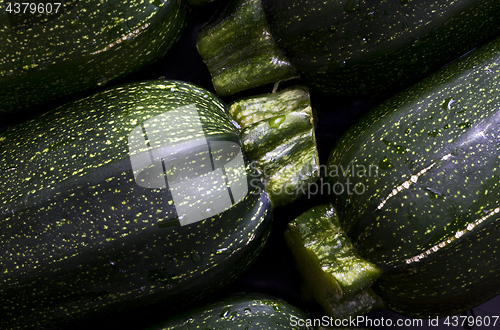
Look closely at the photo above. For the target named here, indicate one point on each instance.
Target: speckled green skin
(429, 217)
(252, 311)
(80, 238)
(86, 45)
(353, 47)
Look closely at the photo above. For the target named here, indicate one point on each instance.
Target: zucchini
(132, 197)
(426, 217)
(80, 45)
(347, 48)
(250, 311)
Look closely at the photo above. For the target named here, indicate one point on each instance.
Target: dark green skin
(84, 46)
(355, 47)
(251, 311)
(81, 239)
(445, 132)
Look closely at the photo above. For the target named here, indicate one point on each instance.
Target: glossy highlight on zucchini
(346, 48)
(429, 219)
(249, 311)
(85, 233)
(86, 44)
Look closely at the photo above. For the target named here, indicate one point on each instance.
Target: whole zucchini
(422, 212)
(67, 47)
(344, 47)
(137, 195)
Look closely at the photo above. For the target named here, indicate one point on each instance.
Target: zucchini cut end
(336, 276)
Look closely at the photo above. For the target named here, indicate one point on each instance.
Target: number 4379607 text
(32, 8)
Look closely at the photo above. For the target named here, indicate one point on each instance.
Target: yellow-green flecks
(429, 216)
(251, 311)
(345, 48)
(84, 45)
(77, 227)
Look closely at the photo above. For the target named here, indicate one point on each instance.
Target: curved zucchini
(132, 197)
(81, 46)
(251, 311)
(345, 47)
(426, 217)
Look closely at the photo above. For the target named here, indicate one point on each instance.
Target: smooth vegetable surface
(273, 271)
(251, 311)
(428, 215)
(141, 195)
(345, 47)
(88, 226)
(79, 45)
